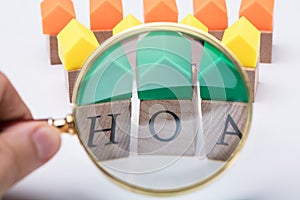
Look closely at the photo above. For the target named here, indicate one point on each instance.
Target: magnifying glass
(161, 108)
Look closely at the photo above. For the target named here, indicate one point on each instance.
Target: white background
(268, 167)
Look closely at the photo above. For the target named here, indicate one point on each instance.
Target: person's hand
(26, 145)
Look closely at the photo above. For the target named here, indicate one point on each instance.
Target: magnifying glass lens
(162, 108)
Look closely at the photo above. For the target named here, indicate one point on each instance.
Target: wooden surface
(53, 48)
(71, 77)
(173, 136)
(266, 46)
(217, 33)
(253, 77)
(102, 35)
(223, 124)
(92, 120)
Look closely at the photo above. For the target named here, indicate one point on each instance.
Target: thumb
(23, 148)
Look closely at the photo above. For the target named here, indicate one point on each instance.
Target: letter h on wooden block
(164, 80)
(104, 104)
(105, 128)
(224, 124)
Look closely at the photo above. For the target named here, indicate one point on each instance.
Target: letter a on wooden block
(166, 128)
(105, 128)
(224, 125)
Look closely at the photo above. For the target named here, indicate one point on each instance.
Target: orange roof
(160, 11)
(212, 13)
(259, 13)
(105, 14)
(56, 14)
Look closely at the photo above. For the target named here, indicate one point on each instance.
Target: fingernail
(47, 142)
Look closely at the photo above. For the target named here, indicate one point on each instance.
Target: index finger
(12, 107)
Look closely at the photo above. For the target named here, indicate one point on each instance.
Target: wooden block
(105, 129)
(105, 14)
(207, 10)
(54, 58)
(71, 77)
(166, 128)
(266, 46)
(253, 77)
(75, 44)
(224, 124)
(217, 33)
(160, 11)
(102, 35)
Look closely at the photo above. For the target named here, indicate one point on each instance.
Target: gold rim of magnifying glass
(197, 34)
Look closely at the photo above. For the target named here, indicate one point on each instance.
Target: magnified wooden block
(102, 36)
(71, 77)
(54, 57)
(224, 124)
(105, 128)
(166, 128)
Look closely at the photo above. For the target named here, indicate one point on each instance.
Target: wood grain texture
(102, 36)
(219, 120)
(106, 139)
(253, 77)
(53, 45)
(71, 77)
(266, 46)
(217, 33)
(171, 122)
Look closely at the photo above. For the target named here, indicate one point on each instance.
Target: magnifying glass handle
(65, 125)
